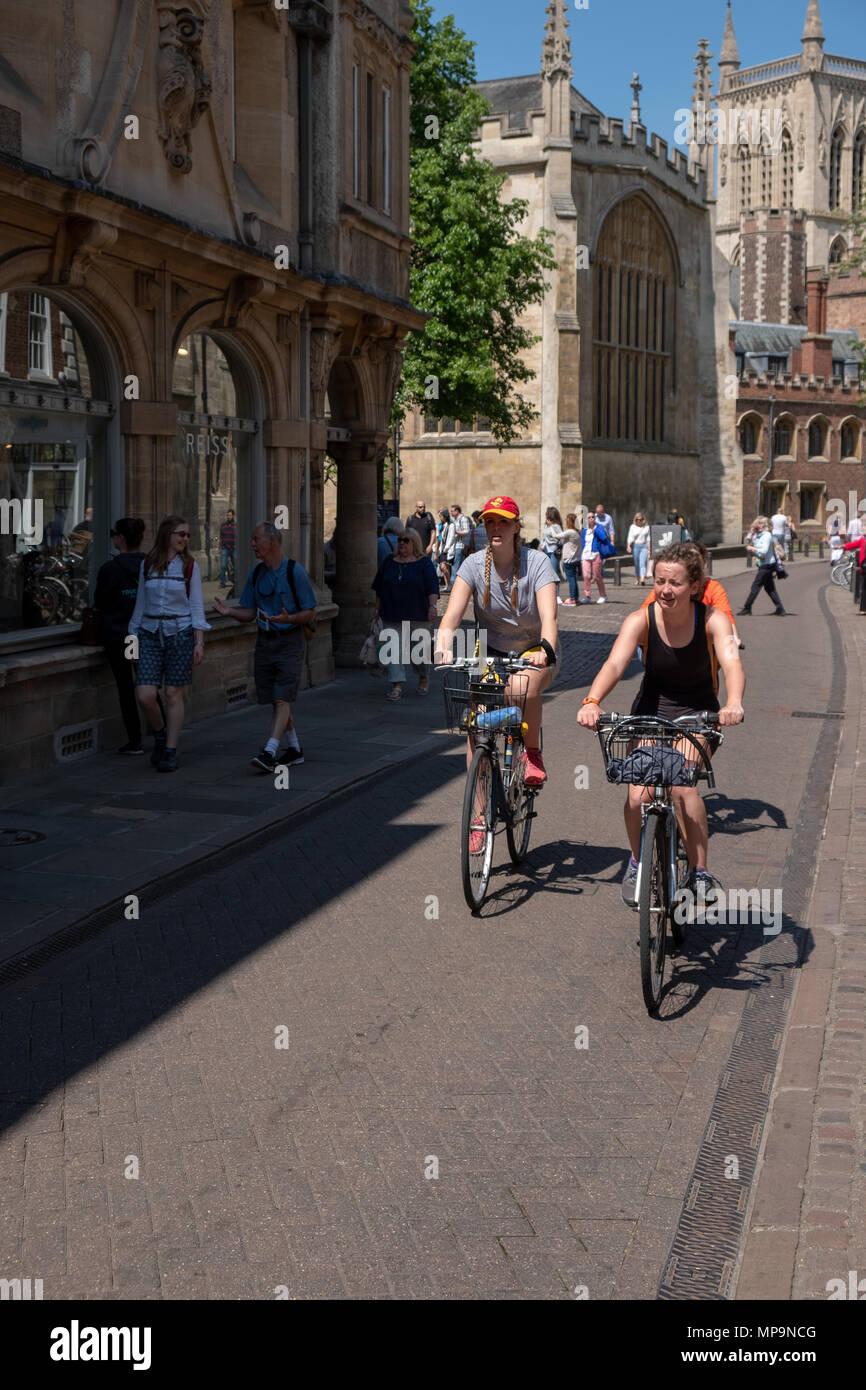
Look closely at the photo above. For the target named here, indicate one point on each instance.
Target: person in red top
(713, 594)
(859, 544)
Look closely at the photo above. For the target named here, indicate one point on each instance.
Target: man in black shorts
(279, 597)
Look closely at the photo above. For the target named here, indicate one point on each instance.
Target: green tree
(471, 269)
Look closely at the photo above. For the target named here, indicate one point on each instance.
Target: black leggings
(124, 676)
(764, 579)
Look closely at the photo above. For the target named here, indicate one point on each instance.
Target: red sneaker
(534, 774)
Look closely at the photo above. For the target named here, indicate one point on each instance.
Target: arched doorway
(61, 470)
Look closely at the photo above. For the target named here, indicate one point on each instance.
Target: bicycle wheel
(521, 803)
(681, 859)
(476, 833)
(45, 599)
(653, 910)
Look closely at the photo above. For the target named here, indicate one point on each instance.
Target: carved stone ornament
(801, 144)
(556, 57)
(370, 23)
(822, 148)
(723, 165)
(184, 86)
(78, 240)
(324, 350)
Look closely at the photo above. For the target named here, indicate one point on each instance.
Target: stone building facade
(630, 355)
(208, 203)
(791, 173)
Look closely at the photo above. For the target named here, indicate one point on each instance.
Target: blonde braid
(488, 561)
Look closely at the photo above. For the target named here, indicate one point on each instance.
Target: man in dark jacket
(116, 588)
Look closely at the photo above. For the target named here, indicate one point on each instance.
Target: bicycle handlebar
(479, 663)
(687, 722)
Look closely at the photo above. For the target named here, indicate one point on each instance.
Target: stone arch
(750, 418)
(838, 251)
(349, 394)
(852, 424)
(637, 190)
(254, 350)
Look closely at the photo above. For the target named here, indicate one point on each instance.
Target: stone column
(356, 540)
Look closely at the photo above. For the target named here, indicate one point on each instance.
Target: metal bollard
(820, 550)
(805, 546)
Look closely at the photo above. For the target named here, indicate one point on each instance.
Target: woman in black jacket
(116, 588)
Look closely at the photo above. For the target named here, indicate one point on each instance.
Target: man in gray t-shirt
(506, 629)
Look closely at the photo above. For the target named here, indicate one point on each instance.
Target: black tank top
(677, 680)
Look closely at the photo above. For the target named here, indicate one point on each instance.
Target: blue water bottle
(499, 719)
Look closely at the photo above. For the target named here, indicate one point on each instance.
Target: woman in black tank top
(677, 680)
(683, 642)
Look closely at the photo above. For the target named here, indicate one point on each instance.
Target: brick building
(204, 217)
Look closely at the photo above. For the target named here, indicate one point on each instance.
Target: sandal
(425, 688)
(394, 694)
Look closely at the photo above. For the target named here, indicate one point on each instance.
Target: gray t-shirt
(506, 630)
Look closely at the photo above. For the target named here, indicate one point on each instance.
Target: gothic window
(750, 433)
(787, 170)
(838, 251)
(633, 350)
(745, 179)
(356, 136)
(371, 141)
(810, 501)
(817, 439)
(39, 335)
(783, 436)
(859, 181)
(836, 168)
(386, 150)
(850, 437)
(766, 177)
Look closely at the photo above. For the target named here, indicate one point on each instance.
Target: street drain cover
(10, 838)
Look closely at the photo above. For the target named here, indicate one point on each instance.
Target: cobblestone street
(329, 1076)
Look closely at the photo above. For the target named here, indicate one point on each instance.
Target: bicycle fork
(670, 849)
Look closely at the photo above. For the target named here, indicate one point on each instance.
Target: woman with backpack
(594, 546)
(170, 624)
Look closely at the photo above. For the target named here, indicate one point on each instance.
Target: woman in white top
(765, 578)
(169, 622)
(571, 557)
(638, 544)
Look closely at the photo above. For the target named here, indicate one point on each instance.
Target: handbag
(369, 653)
(91, 628)
(781, 572)
(605, 547)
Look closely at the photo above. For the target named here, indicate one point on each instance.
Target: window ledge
(43, 378)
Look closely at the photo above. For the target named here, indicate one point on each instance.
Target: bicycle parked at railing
(486, 699)
(659, 754)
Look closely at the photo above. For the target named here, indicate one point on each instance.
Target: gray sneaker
(629, 883)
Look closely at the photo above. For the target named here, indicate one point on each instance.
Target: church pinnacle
(813, 28)
(730, 53)
(556, 51)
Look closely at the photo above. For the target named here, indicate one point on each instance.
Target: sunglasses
(185, 534)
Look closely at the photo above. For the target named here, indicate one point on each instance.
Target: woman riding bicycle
(514, 593)
(683, 642)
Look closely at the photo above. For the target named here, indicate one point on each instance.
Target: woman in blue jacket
(594, 545)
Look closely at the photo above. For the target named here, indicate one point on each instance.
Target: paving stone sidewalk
(808, 1223)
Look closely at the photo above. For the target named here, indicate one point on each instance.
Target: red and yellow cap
(502, 506)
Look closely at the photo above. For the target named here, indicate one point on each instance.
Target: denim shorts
(169, 662)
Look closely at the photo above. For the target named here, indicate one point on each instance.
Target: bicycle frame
(661, 803)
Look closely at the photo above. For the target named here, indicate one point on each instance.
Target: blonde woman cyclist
(513, 590)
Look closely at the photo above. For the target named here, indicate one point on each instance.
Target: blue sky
(657, 38)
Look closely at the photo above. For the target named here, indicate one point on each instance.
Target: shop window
(54, 525)
(212, 456)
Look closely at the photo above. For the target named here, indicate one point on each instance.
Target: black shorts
(278, 665)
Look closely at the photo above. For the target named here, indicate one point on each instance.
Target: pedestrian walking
(407, 591)
(638, 545)
(855, 527)
(446, 534)
(837, 548)
(768, 567)
(859, 546)
(114, 600)
(228, 539)
(551, 540)
(169, 622)
(387, 543)
(477, 536)
(462, 530)
(602, 518)
(424, 523)
(594, 543)
(279, 598)
(571, 557)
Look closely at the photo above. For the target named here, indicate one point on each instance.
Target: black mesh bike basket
(467, 695)
(645, 752)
